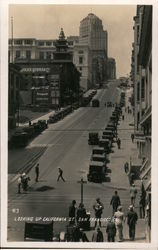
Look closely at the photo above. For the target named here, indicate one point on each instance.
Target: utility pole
(82, 182)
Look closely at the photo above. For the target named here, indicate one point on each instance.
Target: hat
(119, 208)
(23, 174)
(97, 199)
(130, 207)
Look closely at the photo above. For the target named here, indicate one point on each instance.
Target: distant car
(95, 103)
(93, 139)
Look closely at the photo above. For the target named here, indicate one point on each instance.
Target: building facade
(111, 69)
(49, 78)
(90, 54)
(142, 77)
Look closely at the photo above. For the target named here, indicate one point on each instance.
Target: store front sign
(35, 70)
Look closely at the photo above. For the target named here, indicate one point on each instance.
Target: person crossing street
(60, 174)
(37, 172)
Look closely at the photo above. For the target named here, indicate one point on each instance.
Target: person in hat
(37, 172)
(111, 230)
(81, 215)
(115, 202)
(98, 209)
(119, 217)
(60, 174)
(72, 213)
(132, 218)
(19, 183)
(97, 236)
(133, 194)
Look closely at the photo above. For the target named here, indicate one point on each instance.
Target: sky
(45, 21)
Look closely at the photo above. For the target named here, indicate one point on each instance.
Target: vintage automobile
(98, 150)
(106, 143)
(96, 172)
(95, 103)
(108, 132)
(19, 139)
(93, 139)
(97, 157)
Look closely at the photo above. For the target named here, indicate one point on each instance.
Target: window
(18, 42)
(48, 43)
(28, 54)
(80, 59)
(80, 52)
(41, 55)
(48, 55)
(80, 68)
(70, 43)
(41, 43)
(17, 54)
(142, 88)
(28, 41)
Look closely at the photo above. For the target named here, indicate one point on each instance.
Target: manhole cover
(44, 188)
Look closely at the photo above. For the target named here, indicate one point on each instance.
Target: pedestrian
(142, 203)
(132, 218)
(24, 181)
(115, 202)
(131, 178)
(60, 174)
(97, 236)
(29, 123)
(19, 184)
(111, 230)
(98, 209)
(119, 143)
(72, 213)
(81, 215)
(126, 167)
(132, 137)
(133, 194)
(37, 172)
(119, 217)
(123, 117)
(76, 234)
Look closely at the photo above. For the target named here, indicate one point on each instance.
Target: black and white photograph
(77, 128)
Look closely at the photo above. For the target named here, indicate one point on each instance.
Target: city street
(66, 144)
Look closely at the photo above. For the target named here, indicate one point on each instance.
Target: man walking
(115, 202)
(119, 143)
(119, 217)
(98, 236)
(37, 172)
(133, 193)
(60, 174)
(98, 209)
(19, 184)
(72, 213)
(132, 218)
(111, 230)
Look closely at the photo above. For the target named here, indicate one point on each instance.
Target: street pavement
(67, 147)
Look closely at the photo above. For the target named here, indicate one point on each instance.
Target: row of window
(28, 54)
(30, 42)
(39, 43)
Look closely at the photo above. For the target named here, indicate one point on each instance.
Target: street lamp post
(82, 182)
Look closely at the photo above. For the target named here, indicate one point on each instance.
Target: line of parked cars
(23, 135)
(85, 100)
(98, 170)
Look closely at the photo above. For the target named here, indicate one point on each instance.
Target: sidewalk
(119, 179)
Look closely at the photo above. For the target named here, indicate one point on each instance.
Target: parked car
(96, 172)
(93, 139)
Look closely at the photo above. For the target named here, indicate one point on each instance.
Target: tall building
(111, 69)
(90, 54)
(142, 78)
